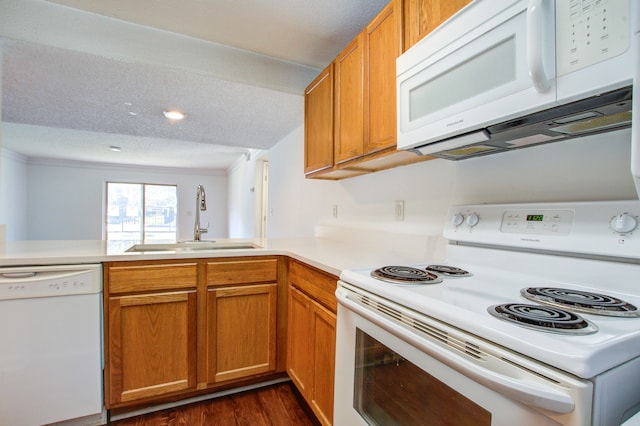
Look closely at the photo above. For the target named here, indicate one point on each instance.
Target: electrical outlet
(335, 211)
(400, 210)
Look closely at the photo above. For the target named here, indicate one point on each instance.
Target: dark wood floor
(274, 405)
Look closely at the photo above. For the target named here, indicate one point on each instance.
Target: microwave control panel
(590, 31)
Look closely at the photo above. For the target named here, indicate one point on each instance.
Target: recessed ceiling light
(115, 148)
(173, 114)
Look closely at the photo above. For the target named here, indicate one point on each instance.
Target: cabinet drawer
(151, 277)
(242, 272)
(320, 285)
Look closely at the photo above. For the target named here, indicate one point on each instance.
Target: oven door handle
(531, 393)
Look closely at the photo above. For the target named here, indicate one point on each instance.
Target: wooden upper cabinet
(348, 105)
(383, 46)
(318, 122)
(364, 105)
(423, 16)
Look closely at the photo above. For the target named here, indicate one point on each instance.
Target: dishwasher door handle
(35, 276)
(16, 275)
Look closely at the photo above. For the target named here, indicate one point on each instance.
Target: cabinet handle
(19, 274)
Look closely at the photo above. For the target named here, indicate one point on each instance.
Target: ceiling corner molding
(12, 155)
(51, 162)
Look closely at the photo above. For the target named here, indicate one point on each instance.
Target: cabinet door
(241, 331)
(349, 82)
(299, 342)
(311, 352)
(318, 123)
(323, 331)
(423, 16)
(152, 346)
(383, 46)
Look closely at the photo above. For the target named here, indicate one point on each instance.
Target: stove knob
(624, 223)
(472, 220)
(457, 219)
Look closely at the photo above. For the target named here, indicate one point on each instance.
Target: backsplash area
(585, 169)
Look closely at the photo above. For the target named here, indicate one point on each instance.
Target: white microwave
(506, 74)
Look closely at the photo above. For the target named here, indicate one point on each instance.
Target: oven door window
(390, 390)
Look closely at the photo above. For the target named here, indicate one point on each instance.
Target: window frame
(142, 232)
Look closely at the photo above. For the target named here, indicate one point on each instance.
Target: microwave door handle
(528, 392)
(535, 22)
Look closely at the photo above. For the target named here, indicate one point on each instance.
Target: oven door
(394, 366)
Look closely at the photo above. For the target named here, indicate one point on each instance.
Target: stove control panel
(604, 228)
(537, 222)
(624, 223)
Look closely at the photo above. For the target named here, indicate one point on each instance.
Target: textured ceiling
(63, 88)
(78, 81)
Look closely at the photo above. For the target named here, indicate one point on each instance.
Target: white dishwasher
(51, 344)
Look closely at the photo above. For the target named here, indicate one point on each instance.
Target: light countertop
(329, 254)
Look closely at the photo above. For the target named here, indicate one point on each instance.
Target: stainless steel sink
(191, 246)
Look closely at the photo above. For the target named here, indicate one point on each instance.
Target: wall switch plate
(399, 210)
(335, 211)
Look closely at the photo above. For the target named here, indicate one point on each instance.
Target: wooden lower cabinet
(152, 345)
(176, 329)
(312, 339)
(150, 330)
(241, 331)
(299, 341)
(323, 332)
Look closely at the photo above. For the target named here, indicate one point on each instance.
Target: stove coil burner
(448, 271)
(581, 301)
(405, 275)
(543, 318)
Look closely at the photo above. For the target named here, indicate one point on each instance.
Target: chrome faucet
(201, 204)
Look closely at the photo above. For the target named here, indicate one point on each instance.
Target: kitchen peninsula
(181, 324)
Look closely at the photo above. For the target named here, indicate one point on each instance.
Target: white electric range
(534, 318)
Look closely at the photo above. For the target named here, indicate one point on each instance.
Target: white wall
(242, 204)
(13, 194)
(295, 203)
(3, 197)
(592, 168)
(66, 199)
